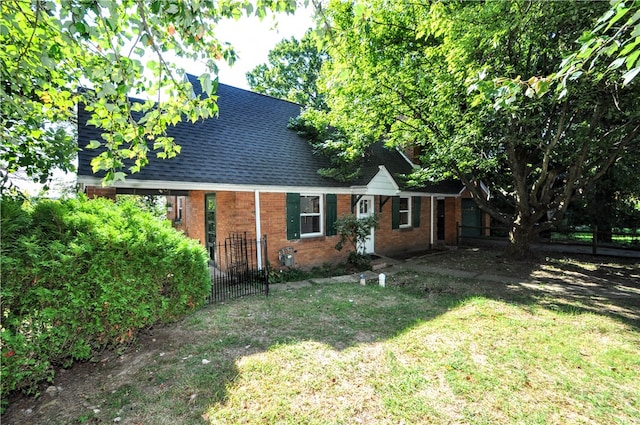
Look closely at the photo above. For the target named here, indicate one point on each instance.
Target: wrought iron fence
(238, 268)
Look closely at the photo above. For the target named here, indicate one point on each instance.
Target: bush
(355, 231)
(82, 275)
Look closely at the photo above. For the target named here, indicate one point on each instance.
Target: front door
(210, 224)
(471, 218)
(366, 209)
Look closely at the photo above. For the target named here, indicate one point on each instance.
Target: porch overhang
(382, 184)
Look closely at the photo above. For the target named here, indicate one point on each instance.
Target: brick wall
(310, 252)
(193, 216)
(101, 192)
(236, 214)
(390, 241)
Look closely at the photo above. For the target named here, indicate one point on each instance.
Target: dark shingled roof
(248, 144)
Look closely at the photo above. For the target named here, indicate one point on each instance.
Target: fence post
(594, 240)
(266, 266)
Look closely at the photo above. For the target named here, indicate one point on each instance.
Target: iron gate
(239, 267)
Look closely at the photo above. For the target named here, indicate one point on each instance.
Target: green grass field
(434, 350)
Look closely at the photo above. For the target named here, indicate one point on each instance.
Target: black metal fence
(239, 267)
(626, 239)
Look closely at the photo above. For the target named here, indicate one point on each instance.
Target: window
(310, 215)
(405, 211)
(180, 200)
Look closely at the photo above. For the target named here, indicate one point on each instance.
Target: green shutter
(415, 211)
(395, 212)
(331, 214)
(293, 216)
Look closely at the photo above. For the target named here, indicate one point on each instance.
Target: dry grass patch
(426, 349)
(485, 361)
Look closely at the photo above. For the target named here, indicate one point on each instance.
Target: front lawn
(426, 349)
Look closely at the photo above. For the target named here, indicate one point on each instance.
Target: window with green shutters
(305, 215)
(405, 211)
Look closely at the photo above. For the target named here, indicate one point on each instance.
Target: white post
(432, 224)
(258, 230)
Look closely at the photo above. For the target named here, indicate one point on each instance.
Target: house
(246, 171)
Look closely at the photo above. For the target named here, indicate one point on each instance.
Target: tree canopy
(424, 75)
(57, 54)
(292, 72)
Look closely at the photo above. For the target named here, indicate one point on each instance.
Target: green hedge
(81, 275)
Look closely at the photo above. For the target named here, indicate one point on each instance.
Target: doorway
(366, 209)
(210, 224)
(440, 219)
(471, 218)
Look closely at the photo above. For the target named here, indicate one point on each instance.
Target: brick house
(246, 171)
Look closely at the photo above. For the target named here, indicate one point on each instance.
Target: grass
(622, 238)
(426, 349)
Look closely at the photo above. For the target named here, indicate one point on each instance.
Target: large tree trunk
(521, 236)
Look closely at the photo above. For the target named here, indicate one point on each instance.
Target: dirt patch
(599, 284)
(555, 266)
(609, 285)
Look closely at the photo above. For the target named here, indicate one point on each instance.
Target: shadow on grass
(183, 369)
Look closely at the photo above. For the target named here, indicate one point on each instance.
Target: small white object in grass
(382, 279)
(205, 361)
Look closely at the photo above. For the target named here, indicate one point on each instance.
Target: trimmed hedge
(82, 275)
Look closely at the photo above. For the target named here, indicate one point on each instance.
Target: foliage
(292, 72)
(355, 231)
(293, 274)
(115, 49)
(614, 39)
(80, 275)
(424, 75)
(343, 152)
(153, 204)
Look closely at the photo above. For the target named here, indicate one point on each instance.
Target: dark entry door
(471, 218)
(210, 224)
(440, 218)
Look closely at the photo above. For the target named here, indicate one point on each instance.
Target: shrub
(82, 275)
(355, 231)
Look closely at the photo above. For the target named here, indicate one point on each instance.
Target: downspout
(258, 231)
(431, 226)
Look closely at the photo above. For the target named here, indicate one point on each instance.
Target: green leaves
(79, 276)
(292, 72)
(465, 83)
(615, 39)
(53, 51)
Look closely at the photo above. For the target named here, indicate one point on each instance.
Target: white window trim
(180, 206)
(320, 214)
(409, 216)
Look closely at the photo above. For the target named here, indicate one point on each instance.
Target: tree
(292, 72)
(614, 39)
(51, 49)
(423, 74)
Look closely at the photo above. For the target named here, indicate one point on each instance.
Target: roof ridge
(194, 79)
